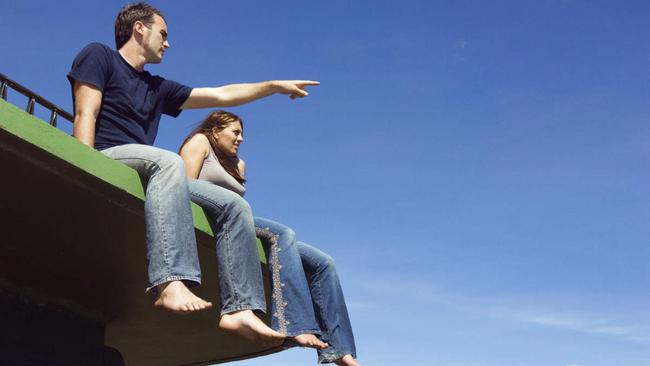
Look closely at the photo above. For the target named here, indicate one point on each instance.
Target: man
(117, 108)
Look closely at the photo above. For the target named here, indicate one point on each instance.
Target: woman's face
(229, 139)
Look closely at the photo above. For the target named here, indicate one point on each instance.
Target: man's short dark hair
(130, 14)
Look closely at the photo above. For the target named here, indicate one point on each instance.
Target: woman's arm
(194, 153)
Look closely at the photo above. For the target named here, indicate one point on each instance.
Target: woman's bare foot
(347, 360)
(309, 340)
(249, 326)
(176, 297)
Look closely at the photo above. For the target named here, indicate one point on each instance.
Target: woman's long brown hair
(219, 119)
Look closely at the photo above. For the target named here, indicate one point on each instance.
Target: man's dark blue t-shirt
(132, 101)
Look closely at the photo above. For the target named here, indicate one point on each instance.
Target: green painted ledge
(67, 148)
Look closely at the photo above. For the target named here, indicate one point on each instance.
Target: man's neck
(132, 56)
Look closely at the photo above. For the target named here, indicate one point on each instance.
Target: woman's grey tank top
(213, 172)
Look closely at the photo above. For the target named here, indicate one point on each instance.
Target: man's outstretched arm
(88, 100)
(237, 94)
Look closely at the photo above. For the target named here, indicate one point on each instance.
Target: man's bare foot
(347, 360)
(176, 297)
(249, 326)
(309, 340)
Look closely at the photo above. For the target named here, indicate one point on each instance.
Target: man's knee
(171, 161)
(148, 160)
(171, 168)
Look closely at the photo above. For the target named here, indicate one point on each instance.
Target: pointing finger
(307, 82)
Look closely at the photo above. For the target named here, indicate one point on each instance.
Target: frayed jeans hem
(188, 281)
(331, 357)
(242, 308)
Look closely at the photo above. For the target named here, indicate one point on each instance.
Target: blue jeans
(307, 295)
(171, 244)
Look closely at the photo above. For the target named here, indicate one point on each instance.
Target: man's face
(154, 40)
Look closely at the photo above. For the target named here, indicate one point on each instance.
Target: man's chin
(154, 59)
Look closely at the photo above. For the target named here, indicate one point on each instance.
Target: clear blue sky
(479, 170)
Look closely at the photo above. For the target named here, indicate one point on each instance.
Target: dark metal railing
(33, 98)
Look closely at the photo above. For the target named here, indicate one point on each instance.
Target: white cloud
(586, 324)
(564, 312)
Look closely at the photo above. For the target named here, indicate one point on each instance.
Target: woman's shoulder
(241, 165)
(199, 138)
(197, 143)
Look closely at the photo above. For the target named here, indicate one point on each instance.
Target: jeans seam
(319, 295)
(164, 230)
(230, 265)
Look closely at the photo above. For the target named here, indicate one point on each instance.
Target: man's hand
(295, 88)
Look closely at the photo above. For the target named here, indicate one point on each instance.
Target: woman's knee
(272, 231)
(326, 261)
(239, 206)
(325, 265)
(316, 258)
(274, 226)
(286, 233)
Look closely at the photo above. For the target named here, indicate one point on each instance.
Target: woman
(307, 299)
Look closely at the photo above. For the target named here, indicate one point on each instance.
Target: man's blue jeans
(171, 244)
(307, 295)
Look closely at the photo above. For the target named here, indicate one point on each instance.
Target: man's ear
(138, 27)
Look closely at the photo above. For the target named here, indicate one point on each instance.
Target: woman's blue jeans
(171, 243)
(307, 295)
